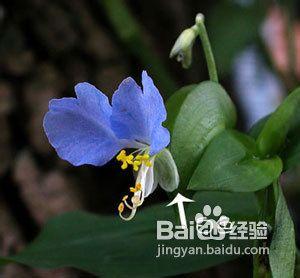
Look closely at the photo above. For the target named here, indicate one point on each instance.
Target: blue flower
(90, 130)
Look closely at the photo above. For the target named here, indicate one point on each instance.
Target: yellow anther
(146, 156)
(130, 158)
(121, 207)
(136, 165)
(138, 187)
(125, 159)
(125, 198)
(134, 161)
(124, 165)
(132, 189)
(144, 159)
(121, 155)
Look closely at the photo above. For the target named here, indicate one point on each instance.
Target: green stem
(210, 60)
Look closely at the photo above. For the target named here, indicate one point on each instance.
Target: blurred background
(46, 47)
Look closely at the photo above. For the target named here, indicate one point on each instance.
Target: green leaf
(206, 111)
(230, 163)
(109, 247)
(275, 130)
(290, 154)
(283, 248)
(258, 126)
(165, 171)
(174, 103)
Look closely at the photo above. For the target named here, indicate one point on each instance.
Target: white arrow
(179, 200)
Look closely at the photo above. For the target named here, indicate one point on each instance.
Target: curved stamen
(132, 214)
(127, 205)
(136, 202)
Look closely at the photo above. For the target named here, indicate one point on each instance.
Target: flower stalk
(182, 48)
(210, 60)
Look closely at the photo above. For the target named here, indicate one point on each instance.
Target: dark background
(46, 47)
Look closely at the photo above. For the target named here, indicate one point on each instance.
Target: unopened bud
(182, 48)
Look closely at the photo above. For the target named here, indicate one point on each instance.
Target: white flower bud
(182, 48)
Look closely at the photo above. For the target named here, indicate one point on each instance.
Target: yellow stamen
(146, 156)
(138, 198)
(125, 159)
(136, 165)
(144, 159)
(130, 158)
(121, 207)
(134, 161)
(138, 186)
(136, 201)
(121, 155)
(124, 165)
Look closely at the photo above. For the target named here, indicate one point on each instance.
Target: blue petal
(128, 120)
(160, 139)
(79, 129)
(138, 115)
(154, 100)
(94, 102)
